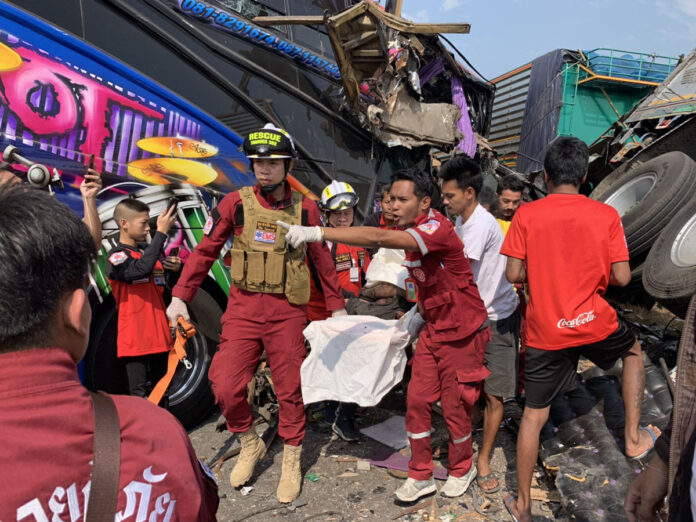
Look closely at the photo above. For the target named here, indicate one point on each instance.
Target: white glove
(339, 313)
(177, 308)
(297, 234)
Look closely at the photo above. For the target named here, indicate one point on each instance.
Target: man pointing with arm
(448, 363)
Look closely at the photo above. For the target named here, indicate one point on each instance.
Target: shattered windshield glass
(248, 8)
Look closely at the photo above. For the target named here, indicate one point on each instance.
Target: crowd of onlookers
(511, 293)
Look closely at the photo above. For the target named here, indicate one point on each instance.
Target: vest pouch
(255, 272)
(297, 281)
(237, 266)
(275, 263)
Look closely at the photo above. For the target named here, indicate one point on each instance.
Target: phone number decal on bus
(225, 21)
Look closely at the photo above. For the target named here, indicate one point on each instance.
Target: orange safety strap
(183, 332)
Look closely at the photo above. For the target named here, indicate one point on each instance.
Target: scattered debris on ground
(584, 474)
(342, 481)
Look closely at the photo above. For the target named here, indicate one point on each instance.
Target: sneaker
(344, 427)
(413, 489)
(457, 486)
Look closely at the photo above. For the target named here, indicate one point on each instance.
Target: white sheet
(356, 358)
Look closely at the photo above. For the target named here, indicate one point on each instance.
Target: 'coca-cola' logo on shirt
(581, 319)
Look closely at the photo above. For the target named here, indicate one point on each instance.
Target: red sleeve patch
(429, 227)
(117, 258)
(208, 225)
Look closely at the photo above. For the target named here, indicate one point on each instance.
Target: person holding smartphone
(89, 190)
(138, 280)
(171, 262)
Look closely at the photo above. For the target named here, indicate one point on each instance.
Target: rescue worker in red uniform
(338, 202)
(448, 363)
(266, 305)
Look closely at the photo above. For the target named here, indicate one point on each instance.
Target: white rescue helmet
(338, 195)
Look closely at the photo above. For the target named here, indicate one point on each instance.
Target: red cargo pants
(234, 364)
(454, 373)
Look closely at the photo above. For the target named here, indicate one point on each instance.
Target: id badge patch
(411, 290)
(343, 262)
(266, 232)
(354, 274)
(159, 278)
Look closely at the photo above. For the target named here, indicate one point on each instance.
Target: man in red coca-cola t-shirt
(568, 248)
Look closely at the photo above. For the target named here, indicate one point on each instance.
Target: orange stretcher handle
(183, 331)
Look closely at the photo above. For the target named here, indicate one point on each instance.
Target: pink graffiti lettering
(83, 101)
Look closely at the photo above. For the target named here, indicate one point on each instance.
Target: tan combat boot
(253, 450)
(291, 475)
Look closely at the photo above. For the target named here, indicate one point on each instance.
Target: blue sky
(508, 33)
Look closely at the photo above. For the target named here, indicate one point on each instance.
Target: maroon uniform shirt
(451, 302)
(448, 364)
(227, 219)
(47, 438)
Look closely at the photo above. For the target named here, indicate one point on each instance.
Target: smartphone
(92, 162)
(174, 251)
(173, 202)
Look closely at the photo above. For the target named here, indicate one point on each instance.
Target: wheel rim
(683, 251)
(185, 382)
(632, 193)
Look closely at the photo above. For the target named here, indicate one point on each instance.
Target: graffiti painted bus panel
(61, 101)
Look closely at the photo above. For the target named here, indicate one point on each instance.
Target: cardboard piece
(391, 432)
(388, 459)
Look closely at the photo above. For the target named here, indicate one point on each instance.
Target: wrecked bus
(161, 91)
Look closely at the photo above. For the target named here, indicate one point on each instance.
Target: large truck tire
(650, 195)
(608, 181)
(670, 268)
(190, 395)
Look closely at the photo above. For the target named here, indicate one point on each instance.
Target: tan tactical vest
(260, 260)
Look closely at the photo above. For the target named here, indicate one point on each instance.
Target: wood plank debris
(380, 57)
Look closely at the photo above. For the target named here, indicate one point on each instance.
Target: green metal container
(598, 87)
(603, 86)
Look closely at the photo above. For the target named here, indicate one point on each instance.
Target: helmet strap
(270, 188)
(267, 189)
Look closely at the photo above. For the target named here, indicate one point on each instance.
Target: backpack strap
(106, 460)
